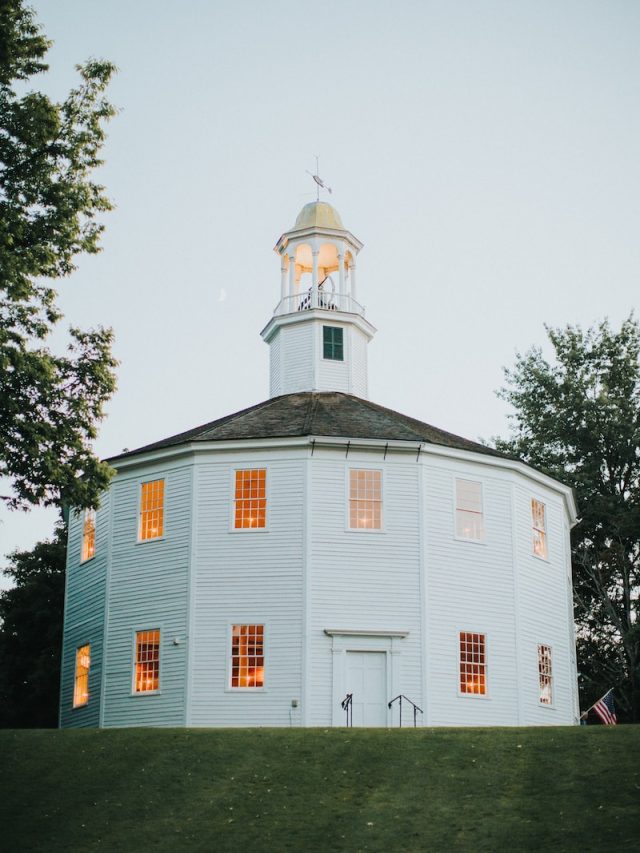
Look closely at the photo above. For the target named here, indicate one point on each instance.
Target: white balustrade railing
(317, 297)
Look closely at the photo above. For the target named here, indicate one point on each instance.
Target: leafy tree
(578, 419)
(50, 404)
(31, 635)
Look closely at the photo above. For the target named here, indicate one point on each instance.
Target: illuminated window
(152, 510)
(469, 519)
(333, 343)
(544, 675)
(247, 656)
(473, 663)
(251, 498)
(539, 528)
(81, 680)
(147, 674)
(365, 499)
(89, 535)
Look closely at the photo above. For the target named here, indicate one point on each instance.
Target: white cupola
(318, 334)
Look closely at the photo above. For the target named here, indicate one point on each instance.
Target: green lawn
(215, 790)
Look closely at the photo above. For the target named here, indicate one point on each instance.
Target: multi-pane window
(469, 518)
(473, 663)
(251, 498)
(147, 671)
(365, 499)
(333, 343)
(539, 523)
(545, 676)
(247, 656)
(89, 535)
(152, 509)
(81, 679)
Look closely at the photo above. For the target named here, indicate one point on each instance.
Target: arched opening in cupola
(321, 278)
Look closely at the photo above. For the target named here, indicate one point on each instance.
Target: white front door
(367, 681)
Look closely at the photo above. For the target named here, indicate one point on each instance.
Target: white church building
(310, 559)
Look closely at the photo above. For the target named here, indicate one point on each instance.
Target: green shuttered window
(332, 343)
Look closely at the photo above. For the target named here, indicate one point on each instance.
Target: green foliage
(315, 790)
(578, 419)
(31, 634)
(51, 404)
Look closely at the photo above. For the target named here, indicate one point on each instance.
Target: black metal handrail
(399, 699)
(347, 707)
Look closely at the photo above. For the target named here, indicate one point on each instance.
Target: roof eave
(419, 448)
(321, 230)
(310, 314)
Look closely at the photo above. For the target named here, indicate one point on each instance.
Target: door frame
(346, 640)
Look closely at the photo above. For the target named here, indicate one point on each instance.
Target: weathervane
(318, 179)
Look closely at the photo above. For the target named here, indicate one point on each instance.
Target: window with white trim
(250, 499)
(81, 676)
(545, 675)
(247, 656)
(469, 515)
(88, 535)
(539, 524)
(365, 499)
(151, 510)
(473, 663)
(147, 668)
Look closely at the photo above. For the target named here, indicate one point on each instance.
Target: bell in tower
(318, 334)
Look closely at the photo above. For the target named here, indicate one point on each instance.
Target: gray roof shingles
(320, 414)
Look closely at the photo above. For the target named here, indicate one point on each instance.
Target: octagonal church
(318, 559)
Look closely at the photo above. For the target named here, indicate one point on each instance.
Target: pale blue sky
(485, 152)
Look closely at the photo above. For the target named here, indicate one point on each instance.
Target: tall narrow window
(152, 510)
(473, 663)
(147, 673)
(89, 535)
(545, 675)
(251, 498)
(365, 499)
(333, 343)
(469, 518)
(81, 679)
(539, 528)
(247, 656)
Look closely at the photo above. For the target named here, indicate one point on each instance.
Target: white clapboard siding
(543, 613)
(297, 360)
(247, 577)
(148, 588)
(358, 579)
(275, 365)
(469, 587)
(84, 616)
(358, 357)
(321, 590)
(297, 350)
(334, 375)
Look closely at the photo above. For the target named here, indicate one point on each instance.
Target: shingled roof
(320, 414)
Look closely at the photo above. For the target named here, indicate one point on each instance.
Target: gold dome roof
(318, 214)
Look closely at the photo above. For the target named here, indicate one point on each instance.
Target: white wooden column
(283, 285)
(314, 279)
(292, 279)
(352, 276)
(342, 295)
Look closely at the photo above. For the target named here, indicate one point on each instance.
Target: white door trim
(362, 641)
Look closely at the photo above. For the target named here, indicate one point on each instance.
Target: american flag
(605, 708)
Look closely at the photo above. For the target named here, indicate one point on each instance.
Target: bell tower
(318, 334)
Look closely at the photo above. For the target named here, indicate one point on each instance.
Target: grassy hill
(569, 789)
